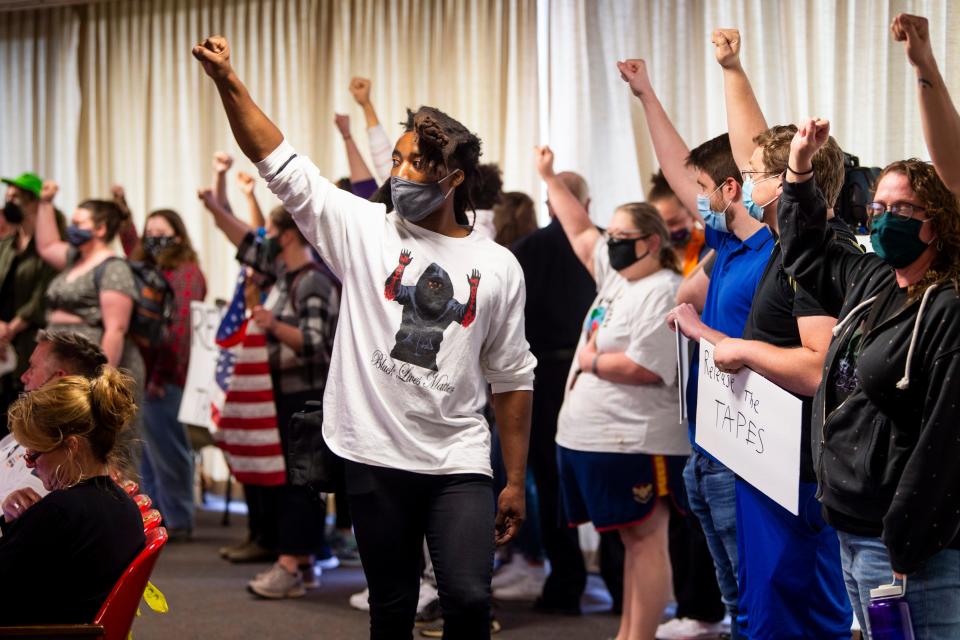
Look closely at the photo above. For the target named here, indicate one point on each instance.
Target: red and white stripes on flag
(246, 415)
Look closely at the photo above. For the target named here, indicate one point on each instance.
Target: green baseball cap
(27, 181)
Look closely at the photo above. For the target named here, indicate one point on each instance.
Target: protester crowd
(488, 385)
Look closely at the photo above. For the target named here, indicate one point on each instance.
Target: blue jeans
(791, 583)
(933, 591)
(711, 494)
(167, 464)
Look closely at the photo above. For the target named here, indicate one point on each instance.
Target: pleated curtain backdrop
(124, 101)
(107, 92)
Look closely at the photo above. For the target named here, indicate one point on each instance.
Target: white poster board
(752, 426)
(201, 375)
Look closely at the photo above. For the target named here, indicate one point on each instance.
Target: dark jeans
(568, 575)
(392, 512)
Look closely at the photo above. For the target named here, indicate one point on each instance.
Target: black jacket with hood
(888, 457)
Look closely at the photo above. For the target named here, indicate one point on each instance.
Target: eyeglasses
(749, 173)
(30, 456)
(626, 234)
(902, 209)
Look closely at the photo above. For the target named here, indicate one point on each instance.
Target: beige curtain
(146, 117)
(828, 58)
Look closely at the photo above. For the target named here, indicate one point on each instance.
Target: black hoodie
(888, 457)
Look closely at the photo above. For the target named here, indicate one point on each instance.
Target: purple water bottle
(889, 613)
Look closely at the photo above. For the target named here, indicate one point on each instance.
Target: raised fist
(214, 54)
(405, 257)
(914, 32)
(810, 136)
(544, 159)
(119, 195)
(48, 191)
(474, 279)
(208, 198)
(360, 89)
(726, 44)
(222, 161)
(634, 73)
(343, 124)
(246, 182)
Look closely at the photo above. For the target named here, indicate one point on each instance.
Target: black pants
(568, 575)
(392, 512)
(694, 578)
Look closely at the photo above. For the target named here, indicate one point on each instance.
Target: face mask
(896, 240)
(623, 253)
(713, 219)
(680, 237)
(78, 237)
(155, 245)
(272, 248)
(12, 212)
(755, 210)
(414, 201)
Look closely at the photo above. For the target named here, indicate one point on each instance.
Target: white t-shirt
(14, 473)
(416, 346)
(602, 416)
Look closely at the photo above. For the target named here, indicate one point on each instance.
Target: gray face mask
(414, 201)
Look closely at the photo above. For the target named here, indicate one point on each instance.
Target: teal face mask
(896, 240)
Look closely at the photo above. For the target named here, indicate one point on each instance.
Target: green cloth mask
(896, 240)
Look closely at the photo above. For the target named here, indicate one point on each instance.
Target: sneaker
(310, 575)
(509, 573)
(528, 587)
(361, 600)
(277, 583)
(690, 629)
(251, 552)
(429, 614)
(428, 593)
(436, 630)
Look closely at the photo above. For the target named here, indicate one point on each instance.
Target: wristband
(593, 367)
(799, 173)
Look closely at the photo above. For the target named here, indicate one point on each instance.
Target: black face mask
(623, 253)
(155, 245)
(12, 212)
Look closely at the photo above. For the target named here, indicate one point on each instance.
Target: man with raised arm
(414, 440)
(790, 578)
(723, 287)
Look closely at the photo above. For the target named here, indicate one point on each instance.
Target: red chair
(115, 618)
(151, 520)
(120, 608)
(143, 502)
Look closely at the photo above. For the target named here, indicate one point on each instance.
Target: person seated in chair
(86, 531)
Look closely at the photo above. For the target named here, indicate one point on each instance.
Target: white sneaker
(361, 600)
(528, 587)
(689, 629)
(428, 593)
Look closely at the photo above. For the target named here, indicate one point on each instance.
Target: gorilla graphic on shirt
(428, 309)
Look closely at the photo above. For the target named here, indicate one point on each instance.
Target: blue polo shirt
(733, 282)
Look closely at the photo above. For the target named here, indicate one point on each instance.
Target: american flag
(244, 409)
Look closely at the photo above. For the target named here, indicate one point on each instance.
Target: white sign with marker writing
(752, 426)
(201, 374)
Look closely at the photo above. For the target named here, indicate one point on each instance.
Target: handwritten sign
(752, 426)
(201, 374)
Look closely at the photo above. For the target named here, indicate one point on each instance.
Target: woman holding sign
(621, 445)
(885, 443)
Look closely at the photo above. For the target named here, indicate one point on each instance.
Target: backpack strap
(99, 269)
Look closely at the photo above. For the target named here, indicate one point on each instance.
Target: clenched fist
(214, 54)
(914, 32)
(727, 47)
(360, 89)
(634, 73)
(544, 159)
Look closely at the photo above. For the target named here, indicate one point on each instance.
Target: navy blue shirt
(733, 282)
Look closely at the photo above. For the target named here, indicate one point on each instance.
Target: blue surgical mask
(713, 219)
(755, 210)
(414, 201)
(78, 237)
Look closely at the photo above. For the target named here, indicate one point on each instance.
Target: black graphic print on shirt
(428, 309)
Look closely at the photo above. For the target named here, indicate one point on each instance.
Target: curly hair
(827, 161)
(489, 187)
(443, 142)
(943, 210)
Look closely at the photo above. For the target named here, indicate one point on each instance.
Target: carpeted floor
(208, 599)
